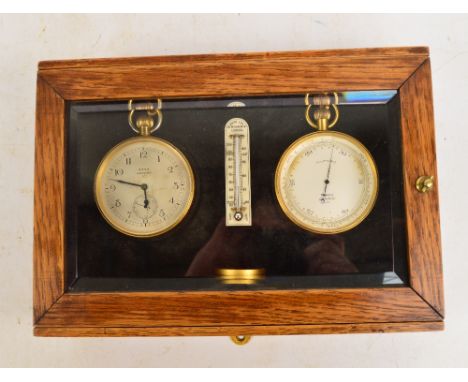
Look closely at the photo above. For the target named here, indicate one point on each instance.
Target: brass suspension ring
(321, 101)
(151, 111)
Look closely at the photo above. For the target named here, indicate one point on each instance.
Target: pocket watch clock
(326, 182)
(144, 186)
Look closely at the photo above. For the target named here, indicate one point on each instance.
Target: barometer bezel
(311, 137)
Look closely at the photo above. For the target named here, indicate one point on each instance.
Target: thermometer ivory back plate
(237, 172)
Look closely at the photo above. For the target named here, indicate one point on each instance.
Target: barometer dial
(326, 182)
(144, 186)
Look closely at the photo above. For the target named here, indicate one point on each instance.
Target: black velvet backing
(98, 252)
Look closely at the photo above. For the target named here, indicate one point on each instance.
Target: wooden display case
(415, 304)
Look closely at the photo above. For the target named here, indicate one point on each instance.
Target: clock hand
(143, 186)
(130, 183)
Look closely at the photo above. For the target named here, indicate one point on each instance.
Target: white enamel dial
(144, 186)
(326, 182)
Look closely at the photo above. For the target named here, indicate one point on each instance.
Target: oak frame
(417, 307)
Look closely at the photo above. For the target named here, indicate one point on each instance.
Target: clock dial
(326, 182)
(144, 186)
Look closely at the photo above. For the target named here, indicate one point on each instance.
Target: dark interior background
(101, 258)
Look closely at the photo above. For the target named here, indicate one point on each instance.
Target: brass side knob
(240, 340)
(425, 183)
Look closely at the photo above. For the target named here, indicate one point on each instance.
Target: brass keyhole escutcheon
(425, 183)
(240, 340)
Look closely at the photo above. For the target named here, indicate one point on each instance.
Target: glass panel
(187, 257)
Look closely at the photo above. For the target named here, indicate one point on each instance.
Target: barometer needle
(327, 180)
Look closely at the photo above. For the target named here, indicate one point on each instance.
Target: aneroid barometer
(144, 186)
(326, 182)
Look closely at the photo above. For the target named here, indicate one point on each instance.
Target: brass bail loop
(322, 115)
(145, 124)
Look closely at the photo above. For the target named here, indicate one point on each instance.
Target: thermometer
(237, 172)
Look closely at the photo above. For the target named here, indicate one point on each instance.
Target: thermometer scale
(237, 171)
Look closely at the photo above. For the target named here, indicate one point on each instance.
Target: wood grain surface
(291, 307)
(48, 199)
(381, 327)
(225, 75)
(422, 210)
(326, 53)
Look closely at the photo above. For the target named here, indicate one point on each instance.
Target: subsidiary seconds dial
(326, 182)
(144, 186)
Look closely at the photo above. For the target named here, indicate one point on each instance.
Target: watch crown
(145, 124)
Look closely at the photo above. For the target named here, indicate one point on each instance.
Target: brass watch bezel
(104, 165)
(317, 135)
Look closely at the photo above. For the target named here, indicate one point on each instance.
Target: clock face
(144, 186)
(326, 182)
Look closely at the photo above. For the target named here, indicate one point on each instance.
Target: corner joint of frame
(416, 69)
(50, 85)
(41, 315)
(438, 309)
